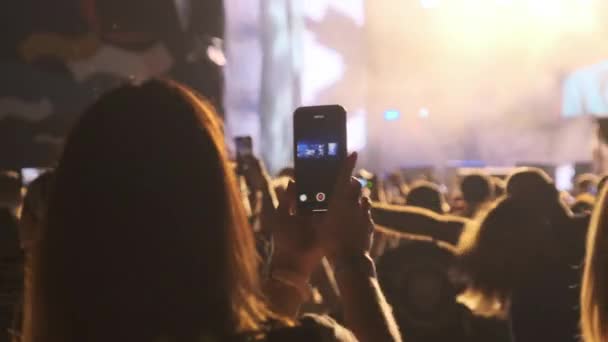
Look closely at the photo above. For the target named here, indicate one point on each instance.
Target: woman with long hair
(594, 289)
(146, 238)
(516, 268)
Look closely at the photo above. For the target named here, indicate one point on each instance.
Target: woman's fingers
(344, 190)
(287, 201)
(366, 204)
(344, 175)
(354, 190)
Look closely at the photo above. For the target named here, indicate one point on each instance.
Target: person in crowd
(415, 278)
(594, 296)
(418, 282)
(263, 201)
(31, 221)
(516, 263)
(536, 190)
(11, 257)
(477, 191)
(427, 195)
(146, 238)
(522, 255)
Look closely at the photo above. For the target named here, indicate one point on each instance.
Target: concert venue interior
(212, 170)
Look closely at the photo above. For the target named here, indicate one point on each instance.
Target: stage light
(391, 115)
(424, 112)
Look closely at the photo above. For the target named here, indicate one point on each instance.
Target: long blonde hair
(594, 290)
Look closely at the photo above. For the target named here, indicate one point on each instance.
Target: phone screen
(244, 146)
(244, 149)
(319, 149)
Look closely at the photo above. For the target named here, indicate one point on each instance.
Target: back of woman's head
(145, 236)
(504, 247)
(594, 290)
(533, 187)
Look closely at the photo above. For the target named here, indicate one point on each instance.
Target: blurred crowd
(147, 230)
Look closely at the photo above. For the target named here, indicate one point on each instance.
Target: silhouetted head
(146, 236)
(415, 278)
(477, 188)
(533, 188)
(426, 195)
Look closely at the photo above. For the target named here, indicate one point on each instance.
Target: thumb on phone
(287, 201)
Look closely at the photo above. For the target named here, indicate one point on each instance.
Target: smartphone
(319, 150)
(244, 149)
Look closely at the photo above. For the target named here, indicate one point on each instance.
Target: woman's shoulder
(313, 328)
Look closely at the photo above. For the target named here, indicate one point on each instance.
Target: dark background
(40, 97)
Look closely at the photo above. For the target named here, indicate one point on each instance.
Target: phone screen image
(319, 149)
